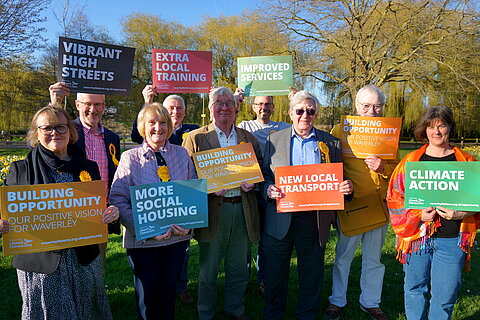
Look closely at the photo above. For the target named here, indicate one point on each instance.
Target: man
(232, 214)
(261, 127)
(370, 180)
(176, 108)
(307, 231)
(100, 144)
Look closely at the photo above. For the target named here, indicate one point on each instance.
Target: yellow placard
(53, 216)
(370, 136)
(226, 168)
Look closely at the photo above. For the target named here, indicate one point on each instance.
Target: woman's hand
(346, 187)
(453, 214)
(238, 95)
(179, 231)
(163, 237)
(4, 226)
(110, 215)
(428, 214)
(149, 93)
(274, 193)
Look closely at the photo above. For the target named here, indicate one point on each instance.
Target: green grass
(119, 286)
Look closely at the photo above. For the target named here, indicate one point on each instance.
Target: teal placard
(265, 76)
(449, 184)
(157, 206)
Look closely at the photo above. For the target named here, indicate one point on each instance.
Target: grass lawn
(119, 285)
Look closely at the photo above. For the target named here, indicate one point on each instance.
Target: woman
(433, 243)
(68, 283)
(156, 262)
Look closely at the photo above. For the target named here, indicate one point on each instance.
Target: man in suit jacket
(99, 143)
(232, 214)
(306, 231)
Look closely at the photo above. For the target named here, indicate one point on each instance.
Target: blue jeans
(440, 266)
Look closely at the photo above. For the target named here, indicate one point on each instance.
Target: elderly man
(308, 231)
(261, 127)
(100, 144)
(370, 180)
(232, 214)
(176, 108)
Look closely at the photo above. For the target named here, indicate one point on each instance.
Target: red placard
(181, 71)
(310, 187)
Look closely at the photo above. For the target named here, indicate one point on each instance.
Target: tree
(354, 43)
(18, 25)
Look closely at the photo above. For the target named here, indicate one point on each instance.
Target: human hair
(220, 91)
(373, 89)
(174, 97)
(53, 112)
(432, 115)
(150, 110)
(301, 96)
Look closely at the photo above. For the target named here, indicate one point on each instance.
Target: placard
(370, 136)
(55, 216)
(265, 76)
(181, 71)
(157, 206)
(92, 67)
(453, 185)
(310, 187)
(227, 168)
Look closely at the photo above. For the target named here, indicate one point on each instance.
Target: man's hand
(375, 164)
(428, 214)
(238, 95)
(58, 91)
(149, 93)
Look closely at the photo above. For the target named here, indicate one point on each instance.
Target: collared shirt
(229, 141)
(304, 151)
(95, 150)
(261, 131)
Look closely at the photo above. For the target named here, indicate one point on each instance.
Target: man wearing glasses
(233, 221)
(305, 231)
(99, 143)
(370, 178)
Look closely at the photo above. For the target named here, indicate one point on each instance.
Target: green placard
(449, 184)
(265, 76)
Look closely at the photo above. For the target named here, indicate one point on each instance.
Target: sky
(108, 13)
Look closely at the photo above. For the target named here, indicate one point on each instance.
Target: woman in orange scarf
(432, 243)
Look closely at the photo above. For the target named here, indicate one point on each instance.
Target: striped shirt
(96, 151)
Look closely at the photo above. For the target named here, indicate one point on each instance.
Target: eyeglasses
(266, 105)
(310, 112)
(48, 130)
(367, 106)
(221, 104)
(97, 105)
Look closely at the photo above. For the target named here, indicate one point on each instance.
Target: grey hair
(373, 88)
(301, 96)
(217, 92)
(174, 97)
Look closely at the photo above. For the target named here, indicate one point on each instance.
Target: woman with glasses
(432, 243)
(68, 283)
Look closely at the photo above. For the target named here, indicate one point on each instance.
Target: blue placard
(157, 206)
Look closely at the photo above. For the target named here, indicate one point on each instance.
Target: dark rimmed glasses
(310, 112)
(48, 130)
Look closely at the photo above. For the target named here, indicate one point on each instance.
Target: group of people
(433, 243)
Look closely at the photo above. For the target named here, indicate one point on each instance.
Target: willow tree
(354, 43)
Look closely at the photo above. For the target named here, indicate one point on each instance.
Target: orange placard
(310, 187)
(226, 168)
(370, 136)
(46, 217)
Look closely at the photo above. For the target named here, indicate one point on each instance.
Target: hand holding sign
(58, 91)
(4, 226)
(375, 164)
(149, 93)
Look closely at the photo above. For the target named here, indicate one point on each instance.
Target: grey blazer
(277, 154)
